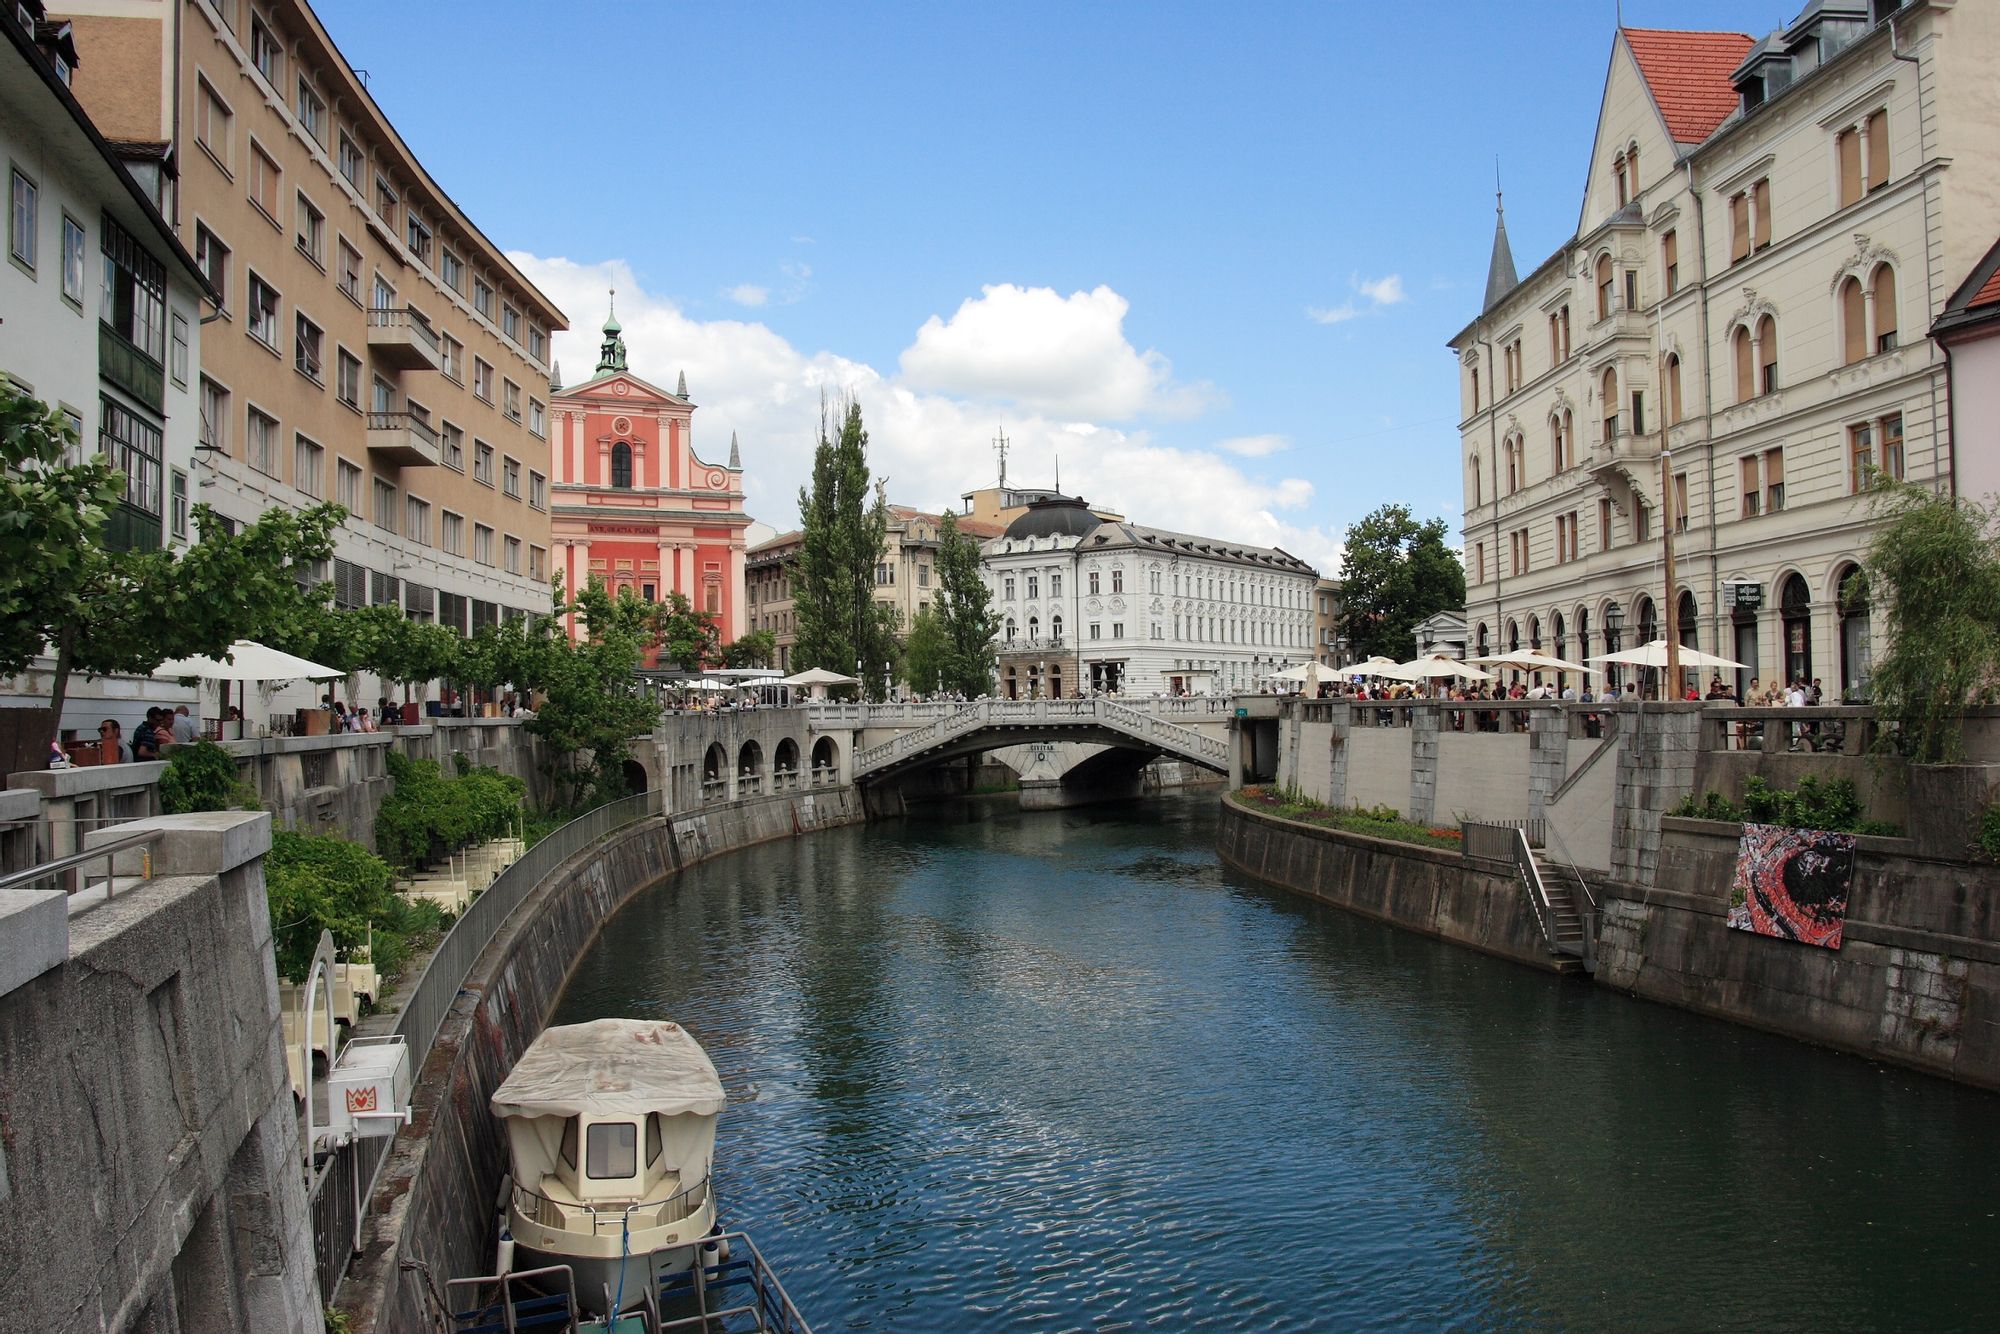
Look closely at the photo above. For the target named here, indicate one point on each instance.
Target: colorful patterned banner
(1793, 884)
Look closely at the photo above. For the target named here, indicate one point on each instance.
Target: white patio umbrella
(246, 660)
(1655, 655)
(1307, 674)
(1377, 666)
(1436, 666)
(817, 676)
(1531, 660)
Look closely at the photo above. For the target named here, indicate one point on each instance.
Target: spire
(555, 378)
(1500, 276)
(1058, 472)
(682, 391)
(611, 353)
(735, 455)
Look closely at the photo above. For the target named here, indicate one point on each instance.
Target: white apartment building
(100, 317)
(1733, 340)
(1118, 607)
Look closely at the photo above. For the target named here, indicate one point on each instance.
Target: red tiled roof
(1689, 75)
(1988, 294)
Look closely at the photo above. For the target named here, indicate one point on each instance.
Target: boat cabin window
(569, 1144)
(652, 1139)
(613, 1150)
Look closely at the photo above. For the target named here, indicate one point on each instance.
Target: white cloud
(1063, 355)
(748, 294)
(931, 446)
(1373, 294)
(1255, 446)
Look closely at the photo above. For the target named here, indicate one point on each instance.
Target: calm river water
(1061, 1071)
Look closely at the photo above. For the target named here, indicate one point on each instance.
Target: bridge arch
(785, 760)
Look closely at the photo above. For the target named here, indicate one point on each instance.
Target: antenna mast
(1000, 448)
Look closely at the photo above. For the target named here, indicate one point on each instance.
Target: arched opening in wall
(715, 773)
(1607, 390)
(1534, 632)
(825, 761)
(1604, 287)
(1743, 638)
(1767, 355)
(1581, 626)
(785, 766)
(1795, 612)
(1614, 641)
(1853, 323)
(1885, 309)
(1746, 364)
(1559, 641)
(1856, 647)
(750, 768)
(1674, 389)
(621, 466)
(1480, 638)
(1513, 636)
(1649, 630)
(635, 776)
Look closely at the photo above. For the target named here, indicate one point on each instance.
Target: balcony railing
(404, 339)
(120, 361)
(402, 438)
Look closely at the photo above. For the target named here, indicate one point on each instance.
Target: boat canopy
(612, 1067)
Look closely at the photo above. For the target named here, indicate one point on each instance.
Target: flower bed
(1375, 822)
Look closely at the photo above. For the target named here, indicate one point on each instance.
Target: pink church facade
(633, 504)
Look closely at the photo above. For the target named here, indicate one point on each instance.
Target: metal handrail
(1538, 894)
(77, 860)
(690, 1198)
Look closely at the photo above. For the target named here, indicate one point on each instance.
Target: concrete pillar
(1548, 757)
(1655, 771)
(1336, 767)
(1423, 763)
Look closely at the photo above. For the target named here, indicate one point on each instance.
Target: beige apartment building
(373, 346)
(1734, 339)
(905, 577)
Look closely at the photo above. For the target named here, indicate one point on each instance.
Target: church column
(669, 581)
(733, 590)
(685, 573)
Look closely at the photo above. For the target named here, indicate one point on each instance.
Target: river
(1062, 1071)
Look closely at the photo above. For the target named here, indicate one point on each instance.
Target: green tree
(965, 613)
(592, 703)
(1934, 581)
(684, 637)
(927, 655)
(844, 517)
(1394, 573)
(755, 649)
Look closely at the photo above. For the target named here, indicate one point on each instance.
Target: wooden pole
(1673, 616)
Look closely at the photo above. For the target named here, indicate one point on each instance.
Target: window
(1096, 630)
(1767, 354)
(482, 462)
(1566, 525)
(1885, 309)
(451, 269)
(134, 301)
(1512, 361)
(419, 237)
(265, 53)
(23, 221)
(1853, 322)
(538, 491)
(482, 297)
(1034, 586)
(1608, 396)
(385, 203)
(510, 322)
(1774, 480)
(451, 533)
(1760, 214)
(211, 123)
(1876, 146)
(451, 446)
(885, 574)
(923, 576)
(1555, 338)
(1674, 389)
(307, 354)
(1847, 149)
(214, 416)
(538, 565)
(349, 277)
(1093, 583)
(1604, 525)
(212, 258)
(1638, 412)
(452, 357)
(308, 467)
(347, 486)
(1479, 562)
(312, 230)
(1890, 430)
(1118, 629)
(263, 312)
(1518, 550)
(1680, 502)
(347, 379)
(1605, 286)
(621, 466)
(510, 400)
(72, 263)
(482, 544)
(312, 111)
(538, 342)
(260, 439)
(1475, 388)
(178, 350)
(1745, 358)
(1670, 261)
(417, 521)
(482, 379)
(1007, 592)
(510, 477)
(1117, 581)
(538, 419)
(265, 178)
(510, 549)
(385, 506)
(1055, 585)
(134, 448)
(178, 504)
(1860, 457)
(350, 161)
(382, 294)
(1565, 331)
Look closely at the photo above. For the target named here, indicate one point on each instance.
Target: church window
(621, 466)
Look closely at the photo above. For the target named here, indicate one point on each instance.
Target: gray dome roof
(1063, 516)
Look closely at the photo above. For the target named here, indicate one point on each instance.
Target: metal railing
(1493, 840)
(1114, 715)
(552, 1213)
(69, 871)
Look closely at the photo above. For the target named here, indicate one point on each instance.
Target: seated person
(146, 740)
(111, 740)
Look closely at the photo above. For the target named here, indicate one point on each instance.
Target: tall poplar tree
(965, 612)
(844, 519)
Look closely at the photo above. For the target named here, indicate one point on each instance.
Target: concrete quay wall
(1916, 980)
(1428, 890)
(435, 1200)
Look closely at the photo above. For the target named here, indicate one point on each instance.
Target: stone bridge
(1103, 744)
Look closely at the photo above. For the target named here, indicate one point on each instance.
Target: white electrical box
(368, 1090)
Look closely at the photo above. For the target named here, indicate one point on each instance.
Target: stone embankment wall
(150, 1177)
(1430, 890)
(1916, 979)
(435, 1200)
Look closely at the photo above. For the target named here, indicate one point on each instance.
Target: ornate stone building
(634, 505)
(1734, 339)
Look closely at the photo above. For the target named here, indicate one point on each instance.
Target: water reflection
(995, 1071)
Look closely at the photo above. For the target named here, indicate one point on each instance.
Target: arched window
(1569, 437)
(1055, 630)
(1853, 323)
(1480, 638)
(1604, 287)
(1608, 393)
(1477, 498)
(1885, 309)
(1618, 179)
(1034, 628)
(1513, 451)
(1687, 620)
(1582, 634)
(1856, 650)
(1534, 632)
(1010, 629)
(1795, 611)
(1746, 365)
(1632, 169)
(621, 466)
(1649, 621)
(1560, 645)
(1767, 355)
(1557, 460)
(1673, 389)
(1513, 636)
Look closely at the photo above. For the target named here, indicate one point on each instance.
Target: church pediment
(620, 387)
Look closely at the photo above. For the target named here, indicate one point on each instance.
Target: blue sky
(1210, 253)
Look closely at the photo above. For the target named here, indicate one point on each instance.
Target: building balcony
(401, 439)
(400, 337)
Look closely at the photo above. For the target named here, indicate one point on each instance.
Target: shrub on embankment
(1832, 805)
(1372, 821)
(429, 816)
(317, 882)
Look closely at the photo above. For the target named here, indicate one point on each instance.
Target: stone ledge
(34, 934)
(208, 843)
